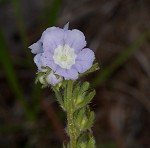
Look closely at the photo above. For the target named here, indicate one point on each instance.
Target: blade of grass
(53, 14)
(6, 129)
(54, 11)
(23, 33)
(22, 30)
(107, 72)
(11, 76)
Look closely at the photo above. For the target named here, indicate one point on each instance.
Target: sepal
(48, 78)
(95, 67)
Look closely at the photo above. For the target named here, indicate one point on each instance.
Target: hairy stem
(71, 127)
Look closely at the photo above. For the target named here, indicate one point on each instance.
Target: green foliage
(12, 77)
(64, 84)
(22, 29)
(59, 97)
(75, 92)
(84, 87)
(91, 143)
(82, 117)
(120, 59)
(82, 145)
(54, 12)
(90, 121)
(86, 100)
(81, 95)
(95, 67)
(68, 146)
(75, 102)
(83, 120)
(86, 140)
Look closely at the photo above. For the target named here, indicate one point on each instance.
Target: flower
(47, 77)
(63, 51)
(52, 79)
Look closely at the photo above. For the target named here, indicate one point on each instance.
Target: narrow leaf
(91, 143)
(87, 100)
(84, 87)
(59, 97)
(82, 145)
(64, 146)
(95, 67)
(65, 96)
(90, 121)
(12, 77)
(76, 91)
(80, 117)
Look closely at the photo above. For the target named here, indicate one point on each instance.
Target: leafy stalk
(75, 102)
(71, 126)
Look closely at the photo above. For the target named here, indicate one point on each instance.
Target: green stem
(70, 115)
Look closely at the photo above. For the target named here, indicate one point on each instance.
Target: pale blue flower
(63, 51)
(52, 79)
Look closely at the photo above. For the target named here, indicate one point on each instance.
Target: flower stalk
(71, 126)
(61, 58)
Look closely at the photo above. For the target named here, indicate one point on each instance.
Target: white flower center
(64, 56)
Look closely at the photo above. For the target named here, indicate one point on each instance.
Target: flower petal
(67, 73)
(48, 30)
(75, 39)
(36, 47)
(47, 60)
(37, 60)
(52, 39)
(62, 72)
(66, 26)
(84, 60)
(72, 73)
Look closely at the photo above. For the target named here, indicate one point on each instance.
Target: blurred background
(119, 33)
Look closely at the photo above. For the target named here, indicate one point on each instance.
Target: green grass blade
(11, 76)
(53, 15)
(22, 30)
(7, 129)
(106, 72)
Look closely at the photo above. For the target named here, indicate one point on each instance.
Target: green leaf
(68, 145)
(84, 138)
(120, 59)
(65, 95)
(86, 100)
(76, 91)
(82, 145)
(44, 86)
(54, 11)
(91, 143)
(80, 139)
(84, 87)
(64, 146)
(59, 97)
(95, 67)
(22, 30)
(79, 119)
(12, 77)
(90, 121)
